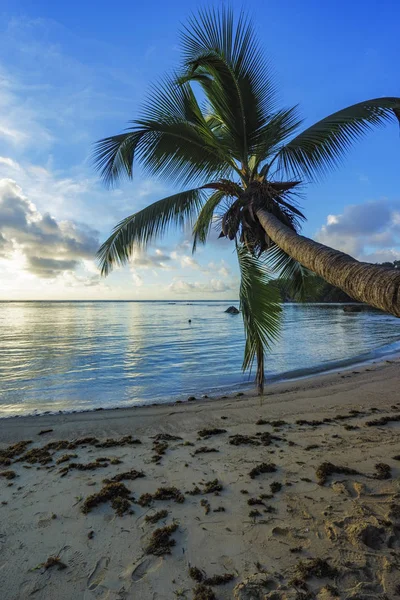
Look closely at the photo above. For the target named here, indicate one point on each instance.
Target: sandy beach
(296, 496)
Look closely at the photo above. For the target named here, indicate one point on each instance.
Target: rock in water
(232, 310)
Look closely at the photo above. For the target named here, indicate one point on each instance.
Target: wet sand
(294, 496)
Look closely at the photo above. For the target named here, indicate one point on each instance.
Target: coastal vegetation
(214, 129)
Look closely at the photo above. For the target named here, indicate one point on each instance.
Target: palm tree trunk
(372, 284)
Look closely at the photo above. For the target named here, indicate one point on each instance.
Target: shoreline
(365, 373)
(241, 390)
(295, 491)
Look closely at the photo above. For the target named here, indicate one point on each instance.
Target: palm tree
(215, 128)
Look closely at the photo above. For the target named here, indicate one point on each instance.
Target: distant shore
(297, 491)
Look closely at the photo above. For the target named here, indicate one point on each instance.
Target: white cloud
(213, 286)
(43, 246)
(368, 231)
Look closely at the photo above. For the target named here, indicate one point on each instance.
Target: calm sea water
(85, 355)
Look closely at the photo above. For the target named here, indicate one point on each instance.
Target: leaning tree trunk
(372, 284)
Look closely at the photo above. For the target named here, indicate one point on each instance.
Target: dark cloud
(49, 267)
(50, 247)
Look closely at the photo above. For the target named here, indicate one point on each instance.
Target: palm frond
(204, 221)
(144, 226)
(322, 146)
(261, 311)
(224, 57)
(297, 281)
(171, 139)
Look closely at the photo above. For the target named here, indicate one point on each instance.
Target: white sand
(353, 521)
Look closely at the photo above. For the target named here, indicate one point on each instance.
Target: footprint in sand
(98, 574)
(139, 570)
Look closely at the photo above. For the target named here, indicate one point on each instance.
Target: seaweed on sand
(169, 493)
(212, 487)
(8, 474)
(65, 458)
(219, 579)
(326, 469)
(165, 437)
(196, 574)
(316, 567)
(206, 505)
(161, 514)
(36, 455)
(126, 476)
(54, 561)
(126, 440)
(97, 464)
(163, 493)
(383, 421)
(194, 491)
(160, 542)
(275, 486)
(112, 492)
(12, 451)
(262, 468)
(203, 592)
(241, 440)
(383, 471)
(204, 450)
(206, 433)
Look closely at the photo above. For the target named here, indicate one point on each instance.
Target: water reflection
(76, 355)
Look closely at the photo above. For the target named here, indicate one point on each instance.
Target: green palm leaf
(142, 227)
(297, 281)
(323, 145)
(171, 139)
(261, 311)
(224, 57)
(204, 221)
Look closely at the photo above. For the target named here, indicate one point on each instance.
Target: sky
(74, 72)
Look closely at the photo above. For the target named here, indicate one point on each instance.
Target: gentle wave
(64, 356)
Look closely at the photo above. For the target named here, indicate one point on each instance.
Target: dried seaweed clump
(326, 469)
(275, 486)
(262, 422)
(203, 592)
(204, 450)
(262, 468)
(36, 455)
(212, 487)
(8, 474)
(206, 433)
(112, 492)
(169, 493)
(243, 440)
(165, 437)
(145, 500)
(65, 458)
(196, 491)
(316, 567)
(53, 561)
(383, 421)
(161, 542)
(161, 514)
(196, 574)
(12, 451)
(219, 579)
(163, 493)
(383, 471)
(128, 475)
(126, 440)
(206, 505)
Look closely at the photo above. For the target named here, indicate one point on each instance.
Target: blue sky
(73, 72)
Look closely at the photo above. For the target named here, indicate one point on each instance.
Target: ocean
(74, 356)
